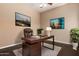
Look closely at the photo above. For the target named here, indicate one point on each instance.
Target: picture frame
(57, 23)
(22, 20)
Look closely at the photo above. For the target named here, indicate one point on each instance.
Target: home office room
(39, 29)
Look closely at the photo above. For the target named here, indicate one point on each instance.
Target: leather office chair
(28, 32)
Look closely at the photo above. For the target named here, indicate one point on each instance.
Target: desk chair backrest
(28, 32)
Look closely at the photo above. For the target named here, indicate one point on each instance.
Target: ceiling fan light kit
(45, 5)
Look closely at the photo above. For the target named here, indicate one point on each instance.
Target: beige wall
(9, 33)
(70, 12)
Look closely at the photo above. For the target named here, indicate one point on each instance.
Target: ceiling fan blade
(50, 3)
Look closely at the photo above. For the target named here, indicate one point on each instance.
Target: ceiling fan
(45, 4)
(49, 3)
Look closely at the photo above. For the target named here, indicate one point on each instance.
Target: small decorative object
(74, 34)
(39, 31)
(57, 23)
(48, 31)
(22, 20)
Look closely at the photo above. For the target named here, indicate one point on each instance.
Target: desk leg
(53, 42)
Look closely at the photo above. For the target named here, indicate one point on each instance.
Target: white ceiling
(36, 6)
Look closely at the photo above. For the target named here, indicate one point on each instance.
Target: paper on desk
(37, 37)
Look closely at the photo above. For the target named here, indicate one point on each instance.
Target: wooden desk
(45, 38)
(33, 45)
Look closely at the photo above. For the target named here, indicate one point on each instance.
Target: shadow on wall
(19, 36)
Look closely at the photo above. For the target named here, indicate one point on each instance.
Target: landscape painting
(57, 23)
(22, 20)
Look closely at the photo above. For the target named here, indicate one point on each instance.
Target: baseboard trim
(63, 42)
(10, 45)
(21, 43)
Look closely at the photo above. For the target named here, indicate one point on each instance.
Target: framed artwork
(22, 20)
(57, 23)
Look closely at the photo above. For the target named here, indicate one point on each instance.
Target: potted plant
(39, 31)
(74, 33)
